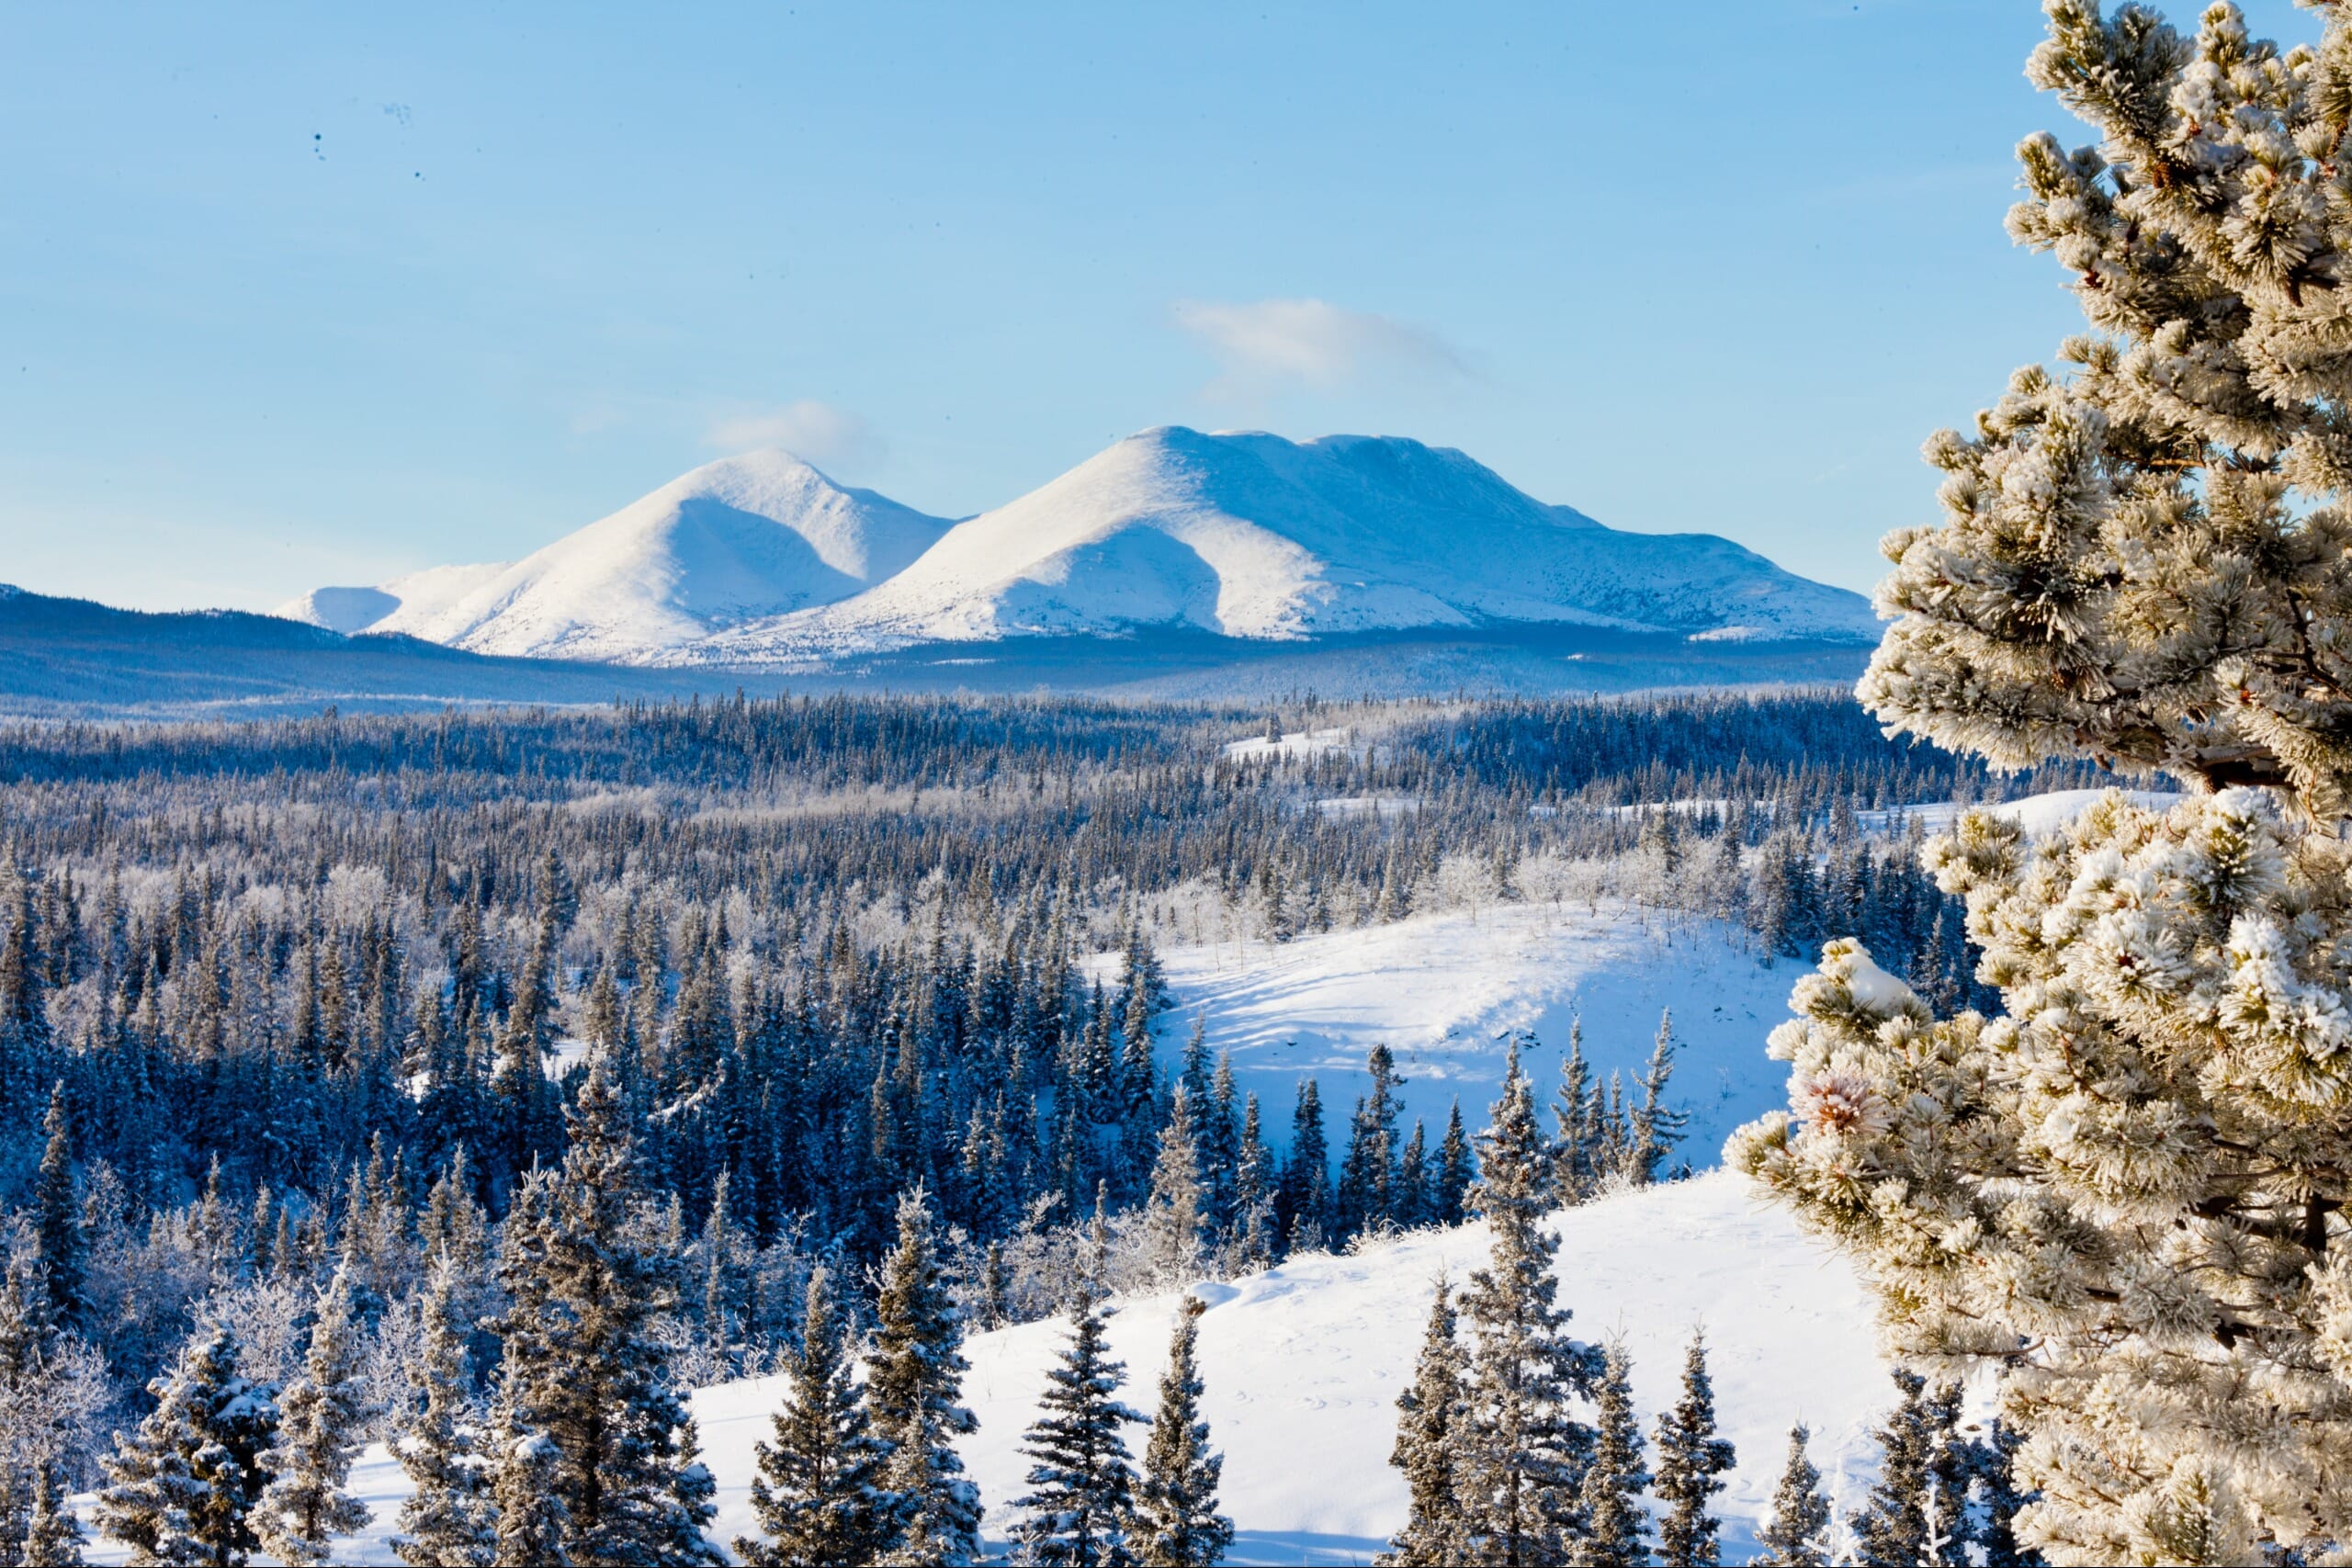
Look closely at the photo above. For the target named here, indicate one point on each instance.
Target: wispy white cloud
(812, 430)
(1271, 341)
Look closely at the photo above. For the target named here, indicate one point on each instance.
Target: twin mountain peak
(761, 560)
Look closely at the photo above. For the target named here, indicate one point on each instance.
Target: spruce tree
(1455, 1171)
(1798, 1535)
(320, 1415)
(817, 1494)
(1654, 1128)
(590, 1370)
(57, 1222)
(1691, 1461)
(1572, 1167)
(1431, 1423)
(1255, 1240)
(447, 1518)
(1175, 1523)
(532, 1524)
(1306, 1202)
(1083, 1481)
(1613, 1528)
(1523, 1452)
(182, 1487)
(2141, 563)
(1997, 1491)
(1172, 1213)
(913, 1383)
(1896, 1528)
(53, 1535)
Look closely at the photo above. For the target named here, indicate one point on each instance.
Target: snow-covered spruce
(819, 1492)
(182, 1488)
(449, 1518)
(1082, 1479)
(913, 1384)
(304, 1506)
(1524, 1454)
(1174, 1522)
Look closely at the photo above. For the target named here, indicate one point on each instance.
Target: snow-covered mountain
(1251, 535)
(757, 535)
(761, 560)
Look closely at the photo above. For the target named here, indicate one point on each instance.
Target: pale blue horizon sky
(295, 296)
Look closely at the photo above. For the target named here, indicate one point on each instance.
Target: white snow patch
(1442, 990)
(1294, 743)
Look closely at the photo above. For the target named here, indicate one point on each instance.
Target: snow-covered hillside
(1304, 1362)
(755, 535)
(1443, 991)
(417, 596)
(761, 560)
(1251, 535)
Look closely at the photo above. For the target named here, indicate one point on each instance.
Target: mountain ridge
(762, 560)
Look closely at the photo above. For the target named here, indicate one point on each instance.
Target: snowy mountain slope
(1251, 535)
(753, 536)
(417, 594)
(1442, 991)
(1302, 1364)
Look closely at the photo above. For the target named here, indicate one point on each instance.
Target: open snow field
(1304, 1362)
(1444, 991)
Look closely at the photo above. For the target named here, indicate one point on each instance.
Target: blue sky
(301, 295)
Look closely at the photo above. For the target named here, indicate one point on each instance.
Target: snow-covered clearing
(1295, 744)
(1443, 991)
(1304, 1362)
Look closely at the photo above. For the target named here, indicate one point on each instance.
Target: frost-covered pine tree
(915, 1380)
(1083, 1481)
(1614, 1528)
(182, 1487)
(819, 1491)
(1523, 1453)
(319, 1417)
(447, 1517)
(2133, 1183)
(1431, 1422)
(1175, 1523)
(1691, 1458)
(1798, 1535)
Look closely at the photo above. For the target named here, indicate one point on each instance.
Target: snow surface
(1302, 1364)
(743, 537)
(1444, 991)
(1294, 744)
(1250, 535)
